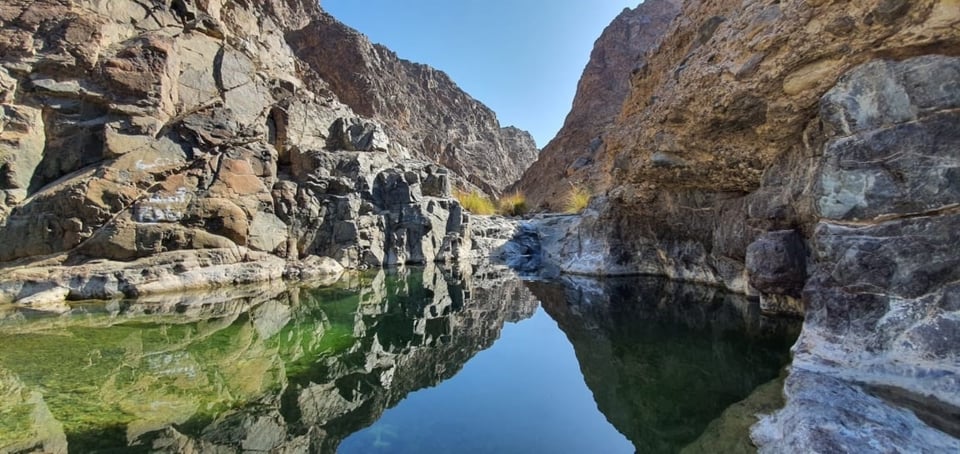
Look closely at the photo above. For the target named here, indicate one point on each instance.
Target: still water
(420, 360)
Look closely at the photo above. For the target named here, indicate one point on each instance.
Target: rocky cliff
(617, 54)
(802, 152)
(169, 137)
(420, 107)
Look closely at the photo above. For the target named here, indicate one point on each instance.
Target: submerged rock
(257, 368)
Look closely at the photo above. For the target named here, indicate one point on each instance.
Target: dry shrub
(513, 204)
(576, 200)
(475, 202)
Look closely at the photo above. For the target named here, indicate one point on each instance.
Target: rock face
(605, 84)
(420, 107)
(133, 132)
(880, 305)
(803, 152)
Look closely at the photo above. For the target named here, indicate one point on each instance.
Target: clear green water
(417, 361)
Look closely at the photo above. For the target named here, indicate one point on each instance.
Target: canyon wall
(420, 107)
(803, 152)
(168, 137)
(605, 84)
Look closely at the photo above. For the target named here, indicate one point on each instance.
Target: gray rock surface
(825, 414)
(855, 229)
(880, 299)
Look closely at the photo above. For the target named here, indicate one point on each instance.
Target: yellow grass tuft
(576, 200)
(475, 202)
(514, 204)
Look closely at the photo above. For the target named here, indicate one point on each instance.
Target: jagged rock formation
(197, 133)
(420, 107)
(804, 152)
(605, 84)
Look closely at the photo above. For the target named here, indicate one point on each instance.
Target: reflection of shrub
(576, 200)
(475, 202)
(513, 204)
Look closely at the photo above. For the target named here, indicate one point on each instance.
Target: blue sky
(522, 58)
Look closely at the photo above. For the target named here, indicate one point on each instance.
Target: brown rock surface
(606, 82)
(420, 107)
(735, 84)
(731, 88)
(130, 130)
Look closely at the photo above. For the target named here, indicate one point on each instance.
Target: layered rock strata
(163, 136)
(802, 152)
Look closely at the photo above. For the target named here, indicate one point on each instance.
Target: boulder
(355, 134)
(777, 263)
(222, 217)
(22, 142)
(267, 232)
(51, 300)
(313, 269)
(146, 69)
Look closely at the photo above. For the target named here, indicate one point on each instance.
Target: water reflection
(665, 359)
(265, 369)
(275, 369)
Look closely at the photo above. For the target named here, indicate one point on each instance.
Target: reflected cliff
(665, 359)
(378, 362)
(262, 369)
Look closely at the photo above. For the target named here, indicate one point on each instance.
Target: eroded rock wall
(617, 54)
(880, 301)
(420, 107)
(131, 131)
(803, 152)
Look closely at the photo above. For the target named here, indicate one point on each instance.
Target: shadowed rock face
(420, 107)
(275, 370)
(157, 132)
(663, 358)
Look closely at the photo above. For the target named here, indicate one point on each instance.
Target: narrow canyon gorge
(801, 154)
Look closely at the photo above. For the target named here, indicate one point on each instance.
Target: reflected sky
(524, 394)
